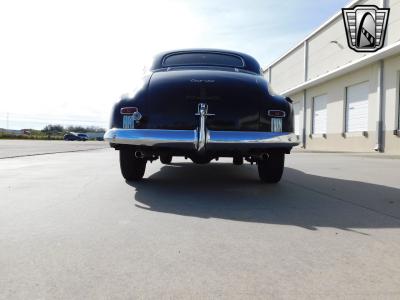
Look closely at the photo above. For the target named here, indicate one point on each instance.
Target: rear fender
(138, 99)
(276, 103)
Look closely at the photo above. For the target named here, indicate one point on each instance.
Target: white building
(343, 100)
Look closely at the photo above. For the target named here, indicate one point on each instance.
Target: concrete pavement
(72, 228)
(18, 148)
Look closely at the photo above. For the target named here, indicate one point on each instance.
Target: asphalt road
(72, 228)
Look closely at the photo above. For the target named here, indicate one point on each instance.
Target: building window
(319, 114)
(357, 107)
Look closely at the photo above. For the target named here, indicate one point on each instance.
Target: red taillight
(128, 110)
(276, 113)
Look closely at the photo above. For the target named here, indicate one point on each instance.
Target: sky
(68, 62)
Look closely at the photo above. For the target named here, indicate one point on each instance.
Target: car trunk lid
(233, 97)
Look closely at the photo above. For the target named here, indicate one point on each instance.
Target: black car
(71, 136)
(203, 104)
(84, 137)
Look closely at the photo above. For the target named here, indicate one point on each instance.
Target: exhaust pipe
(139, 154)
(264, 156)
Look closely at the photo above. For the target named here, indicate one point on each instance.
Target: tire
(132, 168)
(166, 159)
(270, 170)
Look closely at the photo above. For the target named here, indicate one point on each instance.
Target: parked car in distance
(72, 136)
(83, 136)
(203, 104)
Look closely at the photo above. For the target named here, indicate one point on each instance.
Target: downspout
(381, 94)
(305, 94)
(381, 98)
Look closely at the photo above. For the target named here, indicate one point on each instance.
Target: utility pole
(7, 116)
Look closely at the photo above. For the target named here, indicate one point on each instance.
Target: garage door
(357, 107)
(296, 109)
(319, 114)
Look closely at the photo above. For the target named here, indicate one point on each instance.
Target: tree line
(56, 128)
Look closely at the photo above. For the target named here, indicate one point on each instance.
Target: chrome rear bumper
(191, 140)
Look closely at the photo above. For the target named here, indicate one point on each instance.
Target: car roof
(251, 63)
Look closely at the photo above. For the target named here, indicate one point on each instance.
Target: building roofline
(317, 30)
(388, 51)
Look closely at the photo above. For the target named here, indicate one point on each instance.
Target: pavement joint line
(374, 155)
(344, 200)
(49, 153)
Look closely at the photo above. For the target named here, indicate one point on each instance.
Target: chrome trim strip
(189, 139)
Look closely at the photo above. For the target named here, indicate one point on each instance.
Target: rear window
(203, 59)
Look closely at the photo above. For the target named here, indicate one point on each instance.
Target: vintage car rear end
(203, 104)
